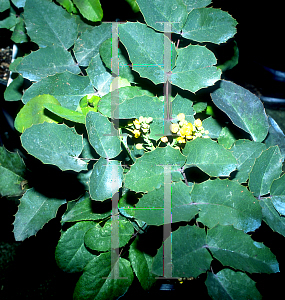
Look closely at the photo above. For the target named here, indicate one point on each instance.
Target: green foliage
(218, 176)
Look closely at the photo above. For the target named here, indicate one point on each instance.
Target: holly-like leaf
(102, 135)
(34, 211)
(55, 144)
(244, 109)
(45, 22)
(12, 173)
(99, 238)
(161, 12)
(245, 152)
(267, 167)
(190, 258)
(100, 281)
(191, 4)
(46, 61)
(213, 126)
(87, 45)
(226, 202)
(220, 286)
(277, 192)
(148, 171)
(142, 265)
(67, 88)
(210, 157)
(106, 179)
(90, 9)
(183, 105)
(71, 254)
(236, 249)
(209, 25)
(34, 113)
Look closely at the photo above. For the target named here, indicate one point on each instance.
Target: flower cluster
(186, 131)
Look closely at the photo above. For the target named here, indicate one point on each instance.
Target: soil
(5, 60)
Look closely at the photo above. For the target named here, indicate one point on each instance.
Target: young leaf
(209, 25)
(210, 157)
(87, 45)
(34, 113)
(34, 211)
(236, 249)
(66, 87)
(99, 281)
(45, 22)
(55, 144)
(161, 12)
(190, 258)
(277, 192)
(243, 108)
(148, 171)
(142, 265)
(106, 179)
(245, 152)
(12, 173)
(220, 286)
(267, 167)
(45, 62)
(226, 202)
(90, 9)
(71, 254)
(102, 135)
(99, 238)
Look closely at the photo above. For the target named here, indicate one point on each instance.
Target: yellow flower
(137, 123)
(181, 117)
(136, 133)
(139, 146)
(164, 139)
(181, 140)
(174, 128)
(189, 137)
(198, 123)
(186, 130)
(206, 132)
(149, 120)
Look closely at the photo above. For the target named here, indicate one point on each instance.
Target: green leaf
(90, 9)
(106, 179)
(191, 4)
(55, 144)
(161, 12)
(150, 208)
(71, 254)
(34, 113)
(46, 23)
(213, 126)
(199, 106)
(245, 152)
(183, 105)
(87, 45)
(46, 61)
(67, 88)
(10, 21)
(271, 217)
(190, 258)
(148, 171)
(275, 137)
(97, 282)
(226, 138)
(230, 285)
(19, 34)
(209, 25)
(4, 4)
(142, 265)
(12, 173)
(125, 69)
(277, 192)
(34, 211)
(68, 5)
(236, 249)
(99, 238)
(210, 157)
(102, 135)
(13, 91)
(99, 76)
(226, 202)
(85, 210)
(64, 113)
(195, 69)
(244, 109)
(146, 56)
(134, 5)
(19, 3)
(267, 167)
